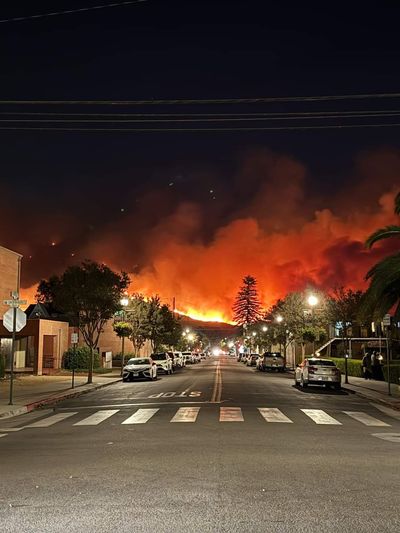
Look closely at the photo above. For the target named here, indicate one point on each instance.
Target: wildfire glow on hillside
(285, 233)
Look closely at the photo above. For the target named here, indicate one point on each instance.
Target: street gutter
(56, 398)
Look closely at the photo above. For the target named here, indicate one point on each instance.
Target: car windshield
(158, 356)
(321, 362)
(137, 361)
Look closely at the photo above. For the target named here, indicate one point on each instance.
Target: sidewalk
(376, 391)
(31, 392)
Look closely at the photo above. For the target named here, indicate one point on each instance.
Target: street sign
(14, 303)
(386, 320)
(74, 338)
(20, 321)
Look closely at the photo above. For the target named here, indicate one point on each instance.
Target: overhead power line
(199, 130)
(71, 11)
(202, 101)
(167, 120)
(250, 116)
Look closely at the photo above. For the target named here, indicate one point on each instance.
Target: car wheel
(124, 380)
(337, 386)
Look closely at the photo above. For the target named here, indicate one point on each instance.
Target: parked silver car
(139, 367)
(272, 361)
(316, 371)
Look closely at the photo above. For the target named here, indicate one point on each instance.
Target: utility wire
(168, 120)
(198, 130)
(72, 11)
(200, 101)
(299, 114)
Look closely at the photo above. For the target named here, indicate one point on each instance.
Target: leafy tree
(343, 310)
(303, 324)
(384, 278)
(136, 315)
(247, 307)
(123, 330)
(161, 325)
(90, 295)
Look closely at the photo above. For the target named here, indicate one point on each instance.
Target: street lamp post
(124, 302)
(312, 302)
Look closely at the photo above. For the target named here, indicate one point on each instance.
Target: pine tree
(247, 307)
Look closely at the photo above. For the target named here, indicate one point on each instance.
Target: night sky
(189, 213)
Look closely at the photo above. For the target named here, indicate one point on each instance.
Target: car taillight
(312, 369)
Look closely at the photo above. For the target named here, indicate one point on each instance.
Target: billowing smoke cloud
(196, 240)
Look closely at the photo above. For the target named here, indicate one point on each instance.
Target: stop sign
(20, 321)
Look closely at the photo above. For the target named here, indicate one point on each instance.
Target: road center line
(217, 391)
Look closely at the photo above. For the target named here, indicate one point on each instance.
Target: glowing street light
(312, 300)
(124, 301)
(265, 328)
(279, 319)
(254, 333)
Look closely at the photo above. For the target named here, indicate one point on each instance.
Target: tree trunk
(91, 364)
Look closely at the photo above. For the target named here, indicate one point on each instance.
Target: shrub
(394, 372)
(79, 358)
(353, 366)
(2, 366)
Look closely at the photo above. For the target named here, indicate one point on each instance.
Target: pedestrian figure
(376, 364)
(366, 366)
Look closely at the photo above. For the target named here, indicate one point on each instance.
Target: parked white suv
(315, 371)
(188, 357)
(178, 360)
(163, 362)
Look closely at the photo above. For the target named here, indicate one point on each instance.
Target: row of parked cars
(165, 362)
(312, 371)
(268, 361)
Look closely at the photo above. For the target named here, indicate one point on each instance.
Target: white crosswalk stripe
(3, 435)
(320, 417)
(141, 416)
(274, 415)
(190, 414)
(96, 418)
(186, 414)
(50, 420)
(230, 414)
(365, 419)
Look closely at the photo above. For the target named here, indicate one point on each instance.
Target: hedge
(394, 372)
(353, 366)
(2, 366)
(79, 359)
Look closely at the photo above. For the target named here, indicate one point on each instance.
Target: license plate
(135, 374)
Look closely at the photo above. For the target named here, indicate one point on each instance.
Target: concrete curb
(51, 400)
(372, 398)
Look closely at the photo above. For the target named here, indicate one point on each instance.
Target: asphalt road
(192, 452)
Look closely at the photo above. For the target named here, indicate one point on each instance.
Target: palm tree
(384, 277)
